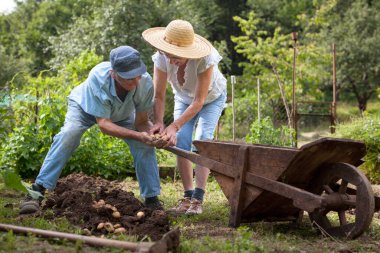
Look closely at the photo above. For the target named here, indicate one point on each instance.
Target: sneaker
(195, 207)
(32, 204)
(181, 208)
(29, 205)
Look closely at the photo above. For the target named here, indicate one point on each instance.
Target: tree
(270, 59)
(123, 21)
(24, 33)
(353, 26)
(282, 13)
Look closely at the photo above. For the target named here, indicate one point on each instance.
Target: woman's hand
(171, 134)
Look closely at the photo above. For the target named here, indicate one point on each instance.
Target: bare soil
(76, 197)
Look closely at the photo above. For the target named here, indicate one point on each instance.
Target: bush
(366, 129)
(98, 154)
(263, 132)
(25, 148)
(24, 151)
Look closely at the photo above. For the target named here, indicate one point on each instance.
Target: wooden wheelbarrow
(272, 183)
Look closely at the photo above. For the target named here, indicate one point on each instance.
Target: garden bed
(89, 201)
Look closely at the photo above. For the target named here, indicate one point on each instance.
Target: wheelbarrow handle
(200, 160)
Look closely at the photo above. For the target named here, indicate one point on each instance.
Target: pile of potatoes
(116, 228)
(159, 140)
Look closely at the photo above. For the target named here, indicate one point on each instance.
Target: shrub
(263, 132)
(25, 148)
(366, 129)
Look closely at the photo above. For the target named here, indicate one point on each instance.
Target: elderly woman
(190, 64)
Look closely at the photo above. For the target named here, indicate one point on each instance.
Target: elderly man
(117, 96)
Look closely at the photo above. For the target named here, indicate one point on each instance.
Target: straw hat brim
(199, 48)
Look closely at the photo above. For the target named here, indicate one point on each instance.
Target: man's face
(126, 84)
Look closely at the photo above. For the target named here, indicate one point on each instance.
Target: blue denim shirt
(97, 95)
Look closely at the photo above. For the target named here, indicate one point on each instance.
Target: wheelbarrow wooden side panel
(266, 161)
(300, 172)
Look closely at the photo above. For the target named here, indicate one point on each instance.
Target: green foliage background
(47, 47)
(366, 129)
(29, 142)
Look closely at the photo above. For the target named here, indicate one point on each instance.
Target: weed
(10, 239)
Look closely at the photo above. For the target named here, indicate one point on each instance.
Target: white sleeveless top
(186, 92)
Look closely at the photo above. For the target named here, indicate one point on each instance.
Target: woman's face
(175, 60)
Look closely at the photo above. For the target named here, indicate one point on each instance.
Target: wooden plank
(264, 160)
(237, 201)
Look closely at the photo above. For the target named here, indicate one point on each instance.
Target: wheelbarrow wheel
(344, 189)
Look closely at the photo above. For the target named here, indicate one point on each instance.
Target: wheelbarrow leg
(241, 166)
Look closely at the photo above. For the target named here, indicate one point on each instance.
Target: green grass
(208, 232)
(346, 111)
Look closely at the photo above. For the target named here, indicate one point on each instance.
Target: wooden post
(333, 109)
(233, 81)
(294, 104)
(258, 100)
(36, 108)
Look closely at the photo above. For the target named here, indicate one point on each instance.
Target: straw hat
(178, 39)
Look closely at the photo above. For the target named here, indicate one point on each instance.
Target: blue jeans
(205, 120)
(67, 140)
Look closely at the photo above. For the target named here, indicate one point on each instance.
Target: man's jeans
(68, 139)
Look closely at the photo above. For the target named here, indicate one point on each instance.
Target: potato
(140, 214)
(109, 227)
(86, 231)
(99, 204)
(120, 230)
(159, 140)
(100, 226)
(116, 215)
(117, 226)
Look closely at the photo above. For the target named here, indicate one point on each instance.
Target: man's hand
(146, 138)
(157, 128)
(155, 140)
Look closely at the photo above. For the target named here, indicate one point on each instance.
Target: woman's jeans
(68, 139)
(205, 121)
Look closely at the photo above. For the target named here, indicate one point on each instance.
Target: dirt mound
(88, 201)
